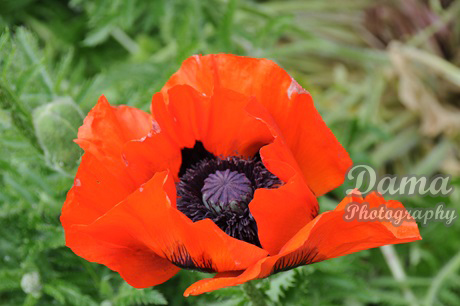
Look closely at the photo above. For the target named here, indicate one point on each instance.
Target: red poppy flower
(221, 177)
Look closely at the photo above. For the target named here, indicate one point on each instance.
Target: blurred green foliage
(57, 57)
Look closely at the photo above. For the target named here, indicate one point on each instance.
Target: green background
(384, 74)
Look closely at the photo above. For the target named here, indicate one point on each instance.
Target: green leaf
(132, 296)
(280, 283)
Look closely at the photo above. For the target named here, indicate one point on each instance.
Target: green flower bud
(56, 126)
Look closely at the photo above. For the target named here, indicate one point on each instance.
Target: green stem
(392, 259)
(256, 296)
(123, 39)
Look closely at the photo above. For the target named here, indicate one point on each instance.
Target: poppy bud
(56, 125)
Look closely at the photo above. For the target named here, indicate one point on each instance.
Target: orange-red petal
(322, 159)
(220, 121)
(148, 218)
(326, 237)
(106, 129)
(184, 116)
(95, 191)
(138, 266)
(152, 153)
(333, 236)
(280, 213)
(102, 179)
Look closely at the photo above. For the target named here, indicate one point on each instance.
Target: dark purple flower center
(221, 190)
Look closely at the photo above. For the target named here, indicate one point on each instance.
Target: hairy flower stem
(392, 259)
(256, 296)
